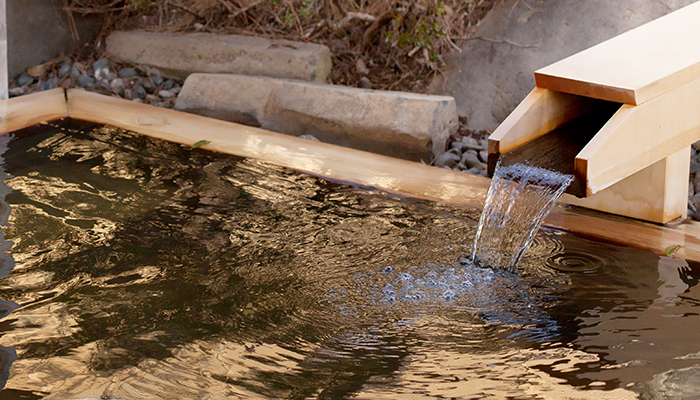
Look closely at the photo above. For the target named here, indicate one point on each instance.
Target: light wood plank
(639, 136)
(636, 66)
(628, 232)
(658, 193)
(540, 112)
(24, 111)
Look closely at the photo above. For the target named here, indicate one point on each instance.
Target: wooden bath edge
(331, 161)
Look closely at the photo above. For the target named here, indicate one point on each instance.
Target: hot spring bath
(146, 269)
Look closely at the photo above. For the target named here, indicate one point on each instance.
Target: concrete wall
(39, 30)
(3, 52)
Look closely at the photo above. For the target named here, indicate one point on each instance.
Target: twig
(452, 44)
(504, 41)
(186, 9)
(71, 22)
(245, 9)
(228, 5)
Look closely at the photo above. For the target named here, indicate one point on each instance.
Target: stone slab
(184, 54)
(490, 77)
(404, 125)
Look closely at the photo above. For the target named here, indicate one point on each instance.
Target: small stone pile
(139, 83)
(466, 154)
(694, 186)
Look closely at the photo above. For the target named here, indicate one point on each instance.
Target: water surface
(144, 269)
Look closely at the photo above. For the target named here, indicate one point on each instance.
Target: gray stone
(181, 55)
(490, 77)
(102, 74)
(484, 156)
(117, 86)
(16, 91)
(695, 201)
(166, 94)
(24, 79)
(446, 160)
(457, 145)
(696, 183)
(365, 83)
(64, 69)
(127, 72)
(406, 125)
(102, 63)
(169, 84)
(310, 137)
(455, 151)
(157, 80)
(140, 92)
(694, 167)
(75, 72)
(86, 81)
(47, 85)
(471, 160)
(147, 84)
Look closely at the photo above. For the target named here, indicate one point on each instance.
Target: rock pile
(138, 83)
(694, 186)
(466, 155)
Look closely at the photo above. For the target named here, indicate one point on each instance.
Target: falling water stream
(519, 198)
(141, 269)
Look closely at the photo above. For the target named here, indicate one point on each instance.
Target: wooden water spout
(636, 161)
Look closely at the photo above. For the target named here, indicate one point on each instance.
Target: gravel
(140, 83)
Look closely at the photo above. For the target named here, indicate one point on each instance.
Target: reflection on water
(148, 270)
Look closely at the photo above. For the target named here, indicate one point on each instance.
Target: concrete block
(181, 55)
(404, 125)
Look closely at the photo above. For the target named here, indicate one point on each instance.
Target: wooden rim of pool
(331, 161)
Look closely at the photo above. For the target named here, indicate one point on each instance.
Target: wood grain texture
(540, 112)
(24, 111)
(332, 161)
(636, 66)
(639, 136)
(657, 193)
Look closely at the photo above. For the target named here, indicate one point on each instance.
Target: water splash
(519, 198)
